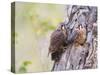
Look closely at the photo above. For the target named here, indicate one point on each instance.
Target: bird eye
(62, 27)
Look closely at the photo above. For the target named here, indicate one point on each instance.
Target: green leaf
(27, 63)
(22, 69)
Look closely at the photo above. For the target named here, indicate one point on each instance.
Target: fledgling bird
(81, 36)
(57, 42)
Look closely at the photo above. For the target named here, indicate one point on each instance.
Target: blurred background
(34, 23)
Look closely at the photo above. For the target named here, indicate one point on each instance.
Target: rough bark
(82, 56)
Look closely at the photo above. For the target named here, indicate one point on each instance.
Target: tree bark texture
(81, 56)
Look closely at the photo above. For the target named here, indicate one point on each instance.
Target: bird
(57, 42)
(81, 35)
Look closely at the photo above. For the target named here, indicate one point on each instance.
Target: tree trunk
(82, 56)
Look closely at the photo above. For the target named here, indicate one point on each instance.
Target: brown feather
(81, 37)
(57, 42)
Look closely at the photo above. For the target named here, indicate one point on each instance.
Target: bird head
(61, 26)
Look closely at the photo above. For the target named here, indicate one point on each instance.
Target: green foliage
(26, 63)
(42, 17)
(24, 66)
(33, 23)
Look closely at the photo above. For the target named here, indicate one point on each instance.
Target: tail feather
(56, 56)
